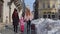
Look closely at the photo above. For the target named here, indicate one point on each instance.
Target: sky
(29, 3)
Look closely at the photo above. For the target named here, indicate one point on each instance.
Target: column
(9, 4)
(10, 13)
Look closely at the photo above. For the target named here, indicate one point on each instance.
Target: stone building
(7, 8)
(48, 9)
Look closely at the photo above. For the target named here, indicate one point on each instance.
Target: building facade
(7, 11)
(35, 9)
(48, 9)
(7, 8)
(59, 9)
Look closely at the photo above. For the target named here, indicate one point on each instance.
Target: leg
(16, 28)
(27, 28)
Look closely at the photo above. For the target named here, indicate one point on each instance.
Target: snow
(47, 26)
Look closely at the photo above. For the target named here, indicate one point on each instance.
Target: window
(59, 6)
(44, 16)
(43, 5)
(53, 6)
(53, 16)
(59, 10)
(48, 5)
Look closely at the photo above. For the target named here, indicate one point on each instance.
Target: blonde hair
(27, 12)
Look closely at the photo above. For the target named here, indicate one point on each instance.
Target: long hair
(27, 12)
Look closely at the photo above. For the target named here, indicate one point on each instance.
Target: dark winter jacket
(15, 19)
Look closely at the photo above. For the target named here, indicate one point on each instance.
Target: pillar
(9, 4)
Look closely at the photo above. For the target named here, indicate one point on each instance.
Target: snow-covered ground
(47, 26)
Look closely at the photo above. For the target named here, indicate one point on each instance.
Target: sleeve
(18, 18)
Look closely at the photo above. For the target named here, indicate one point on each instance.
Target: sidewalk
(1, 26)
(8, 30)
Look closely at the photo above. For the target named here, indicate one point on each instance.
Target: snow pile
(47, 26)
(37, 22)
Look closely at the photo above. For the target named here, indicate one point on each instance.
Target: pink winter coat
(22, 24)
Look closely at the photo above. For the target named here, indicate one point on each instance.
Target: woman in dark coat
(15, 19)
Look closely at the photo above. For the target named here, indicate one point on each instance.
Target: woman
(28, 18)
(15, 19)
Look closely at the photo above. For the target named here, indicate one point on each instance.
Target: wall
(6, 10)
(41, 10)
(12, 9)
